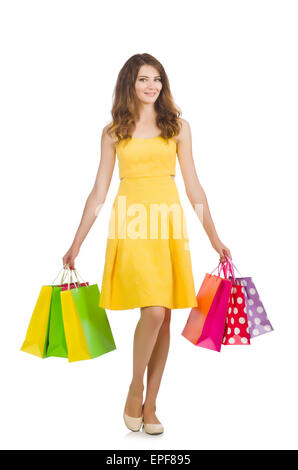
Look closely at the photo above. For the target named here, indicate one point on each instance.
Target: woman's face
(148, 84)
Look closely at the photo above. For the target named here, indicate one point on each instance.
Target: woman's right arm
(96, 197)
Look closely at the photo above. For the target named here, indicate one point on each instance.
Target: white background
(232, 67)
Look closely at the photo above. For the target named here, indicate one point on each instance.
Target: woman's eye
(155, 79)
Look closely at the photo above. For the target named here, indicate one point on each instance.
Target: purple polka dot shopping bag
(258, 322)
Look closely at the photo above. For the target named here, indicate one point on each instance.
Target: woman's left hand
(222, 250)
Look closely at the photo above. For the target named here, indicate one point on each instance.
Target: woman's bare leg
(145, 337)
(155, 369)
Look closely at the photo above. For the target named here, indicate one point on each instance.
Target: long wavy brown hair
(125, 109)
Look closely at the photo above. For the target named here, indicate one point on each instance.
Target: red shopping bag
(236, 328)
(73, 285)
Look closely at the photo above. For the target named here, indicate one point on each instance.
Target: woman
(147, 262)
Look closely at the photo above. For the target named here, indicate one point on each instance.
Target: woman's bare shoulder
(184, 126)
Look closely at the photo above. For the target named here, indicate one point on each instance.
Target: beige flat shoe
(133, 424)
(152, 428)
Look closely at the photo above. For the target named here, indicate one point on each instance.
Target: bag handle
(77, 278)
(70, 278)
(72, 281)
(227, 270)
(62, 280)
(227, 267)
(67, 271)
(64, 269)
(217, 267)
(221, 266)
(233, 265)
(77, 274)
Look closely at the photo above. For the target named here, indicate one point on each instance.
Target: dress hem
(160, 304)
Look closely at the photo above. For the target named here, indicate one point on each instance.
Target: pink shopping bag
(206, 322)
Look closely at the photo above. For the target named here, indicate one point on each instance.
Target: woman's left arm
(194, 190)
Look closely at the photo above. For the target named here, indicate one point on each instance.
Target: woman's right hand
(69, 257)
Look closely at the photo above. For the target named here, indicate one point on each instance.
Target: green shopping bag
(56, 335)
(87, 329)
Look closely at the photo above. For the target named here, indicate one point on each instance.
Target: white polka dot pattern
(258, 323)
(236, 329)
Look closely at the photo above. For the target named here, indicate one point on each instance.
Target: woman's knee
(167, 318)
(157, 314)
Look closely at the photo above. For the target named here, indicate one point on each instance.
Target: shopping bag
(236, 329)
(258, 321)
(36, 339)
(56, 338)
(206, 322)
(87, 329)
(47, 335)
(45, 322)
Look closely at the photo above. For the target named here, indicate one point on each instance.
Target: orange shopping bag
(196, 320)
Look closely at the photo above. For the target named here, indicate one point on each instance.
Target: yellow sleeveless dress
(147, 258)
